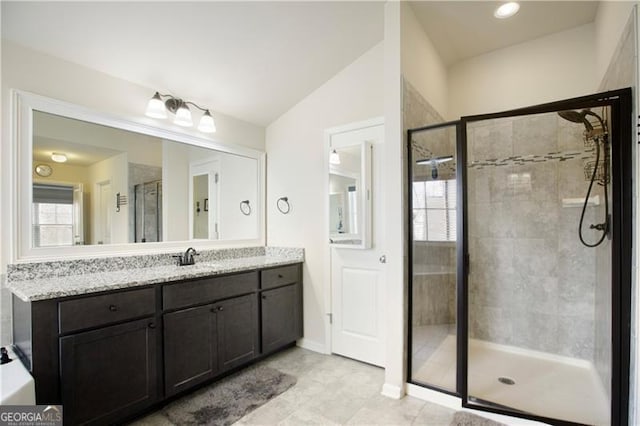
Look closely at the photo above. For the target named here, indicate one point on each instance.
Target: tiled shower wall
(621, 73)
(433, 283)
(531, 282)
(139, 174)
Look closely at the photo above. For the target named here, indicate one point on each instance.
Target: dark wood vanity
(109, 356)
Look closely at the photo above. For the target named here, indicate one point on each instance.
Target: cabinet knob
(264, 297)
(152, 325)
(113, 308)
(213, 309)
(280, 276)
(220, 308)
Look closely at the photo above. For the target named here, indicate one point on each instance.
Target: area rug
(226, 401)
(464, 418)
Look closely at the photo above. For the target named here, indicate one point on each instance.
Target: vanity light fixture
(157, 108)
(507, 10)
(334, 158)
(58, 157)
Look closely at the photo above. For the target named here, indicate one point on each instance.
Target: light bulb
(58, 157)
(507, 10)
(183, 116)
(334, 158)
(206, 123)
(155, 107)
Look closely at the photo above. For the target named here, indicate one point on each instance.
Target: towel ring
(245, 207)
(283, 205)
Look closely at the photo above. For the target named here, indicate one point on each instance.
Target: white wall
(238, 177)
(295, 150)
(421, 64)
(394, 199)
(175, 191)
(555, 67)
(49, 76)
(609, 24)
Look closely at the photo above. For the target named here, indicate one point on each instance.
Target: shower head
(577, 117)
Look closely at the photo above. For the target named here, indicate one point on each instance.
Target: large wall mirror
(88, 183)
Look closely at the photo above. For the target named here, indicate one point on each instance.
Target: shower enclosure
(520, 260)
(148, 212)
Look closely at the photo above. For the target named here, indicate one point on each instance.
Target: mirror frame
(366, 194)
(21, 159)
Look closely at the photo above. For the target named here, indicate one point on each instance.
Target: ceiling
(78, 154)
(463, 29)
(256, 60)
(249, 60)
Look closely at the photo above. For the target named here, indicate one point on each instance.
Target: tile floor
(547, 387)
(333, 390)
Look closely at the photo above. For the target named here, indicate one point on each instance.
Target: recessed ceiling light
(507, 10)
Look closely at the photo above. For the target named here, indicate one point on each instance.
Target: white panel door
(358, 310)
(358, 277)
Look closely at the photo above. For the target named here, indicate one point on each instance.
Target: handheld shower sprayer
(599, 136)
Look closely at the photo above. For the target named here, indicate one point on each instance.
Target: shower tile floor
(543, 386)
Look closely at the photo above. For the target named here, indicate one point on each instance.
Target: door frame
(620, 102)
(327, 283)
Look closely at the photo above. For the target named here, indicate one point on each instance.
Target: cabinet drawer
(95, 311)
(279, 276)
(207, 290)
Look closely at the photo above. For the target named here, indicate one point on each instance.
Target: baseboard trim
(455, 403)
(312, 345)
(436, 397)
(392, 391)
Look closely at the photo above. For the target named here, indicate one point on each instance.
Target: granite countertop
(72, 285)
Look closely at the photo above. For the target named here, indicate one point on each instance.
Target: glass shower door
(540, 264)
(433, 256)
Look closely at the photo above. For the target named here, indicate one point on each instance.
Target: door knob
(383, 259)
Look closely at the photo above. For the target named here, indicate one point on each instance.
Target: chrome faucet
(187, 258)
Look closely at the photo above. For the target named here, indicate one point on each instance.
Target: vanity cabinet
(203, 341)
(190, 347)
(108, 373)
(108, 356)
(281, 307)
(238, 338)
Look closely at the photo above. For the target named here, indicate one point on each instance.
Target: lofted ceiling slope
(249, 60)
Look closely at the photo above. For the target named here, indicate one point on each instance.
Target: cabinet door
(237, 331)
(190, 348)
(108, 373)
(280, 317)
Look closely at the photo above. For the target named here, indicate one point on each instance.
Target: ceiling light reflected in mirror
(507, 10)
(58, 157)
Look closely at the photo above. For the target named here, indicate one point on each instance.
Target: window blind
(434, 210)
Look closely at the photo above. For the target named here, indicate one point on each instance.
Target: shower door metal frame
(461, 343)
(620, 102)
(621, 181)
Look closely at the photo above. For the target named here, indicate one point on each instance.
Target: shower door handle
(383, 258)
